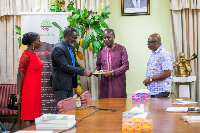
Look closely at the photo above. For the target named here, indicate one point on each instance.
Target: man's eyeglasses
(148, 42)
(73, 37)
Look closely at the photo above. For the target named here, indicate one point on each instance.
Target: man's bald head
(154, 41)
(156, 37)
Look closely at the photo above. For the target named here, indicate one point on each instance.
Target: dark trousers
(61, 95)
(162, 94)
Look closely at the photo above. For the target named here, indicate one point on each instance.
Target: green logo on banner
(46, 25)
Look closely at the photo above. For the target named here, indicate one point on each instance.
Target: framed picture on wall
(135, 7)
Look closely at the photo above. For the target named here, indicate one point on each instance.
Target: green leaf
(99, 9)
(82, 31)
(20, 42)
(77, 28)
(105, 16)
(99, 38)
(106, 7)
(56, 25)
(86, 21)
(18, 29)
(78, 76)
(76, 45)
(95, 50)
(73, 24)
(95, 25)
(78, 11)
(75, 17)
(81, 12)
(96, 17)
(105, 12)
(74, 10)
(70, 18)
(96, 44)
(70, 6)
(99, 31)
(60, 35)
(93, 38)
(85, 12)
(103, 24)
(59, 5)
(86, 41)
(91, 21)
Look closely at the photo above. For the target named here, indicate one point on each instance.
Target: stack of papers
(180, 101)
(192, 119)
(55, 121)
(34, 132)
(142, 91)
(177, 109)
(184, 102)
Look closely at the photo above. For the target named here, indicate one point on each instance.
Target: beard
(71, 43)
(109, 45)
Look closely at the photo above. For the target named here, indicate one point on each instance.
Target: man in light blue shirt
(159, 68)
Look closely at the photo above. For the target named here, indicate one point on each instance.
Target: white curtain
(185, 31)
(9, 50)
(14, 7)
(10, 53)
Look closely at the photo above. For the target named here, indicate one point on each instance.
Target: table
(111, 122)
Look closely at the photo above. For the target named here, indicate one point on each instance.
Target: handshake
(88, 73)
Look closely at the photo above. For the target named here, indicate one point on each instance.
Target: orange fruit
(79, 90)
(81, 42)
(80, 55)
(81, 65)
(91, 47)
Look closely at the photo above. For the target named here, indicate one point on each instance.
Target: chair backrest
(85, 98)
(5, 91)
(66, 105)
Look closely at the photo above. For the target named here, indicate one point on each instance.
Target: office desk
(111, 122)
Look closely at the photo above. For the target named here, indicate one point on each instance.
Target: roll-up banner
(42, 23)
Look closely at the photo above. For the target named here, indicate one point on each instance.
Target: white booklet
(34, 131)
(177, 109)
(98, 72)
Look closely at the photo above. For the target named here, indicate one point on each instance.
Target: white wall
(133, 32)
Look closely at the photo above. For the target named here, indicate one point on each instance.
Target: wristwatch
(151, 79)
(113, 73)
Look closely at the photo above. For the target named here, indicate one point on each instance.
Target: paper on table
(183, 102)
(177, 109)
(191, 119)
(35, 131)
(142, 91)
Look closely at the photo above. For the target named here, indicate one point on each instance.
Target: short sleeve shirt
(159, 61)
(23, 63)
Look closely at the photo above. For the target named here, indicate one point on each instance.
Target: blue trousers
(61, 95)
